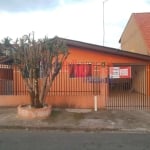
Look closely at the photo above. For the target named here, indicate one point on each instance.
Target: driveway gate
(129, 87)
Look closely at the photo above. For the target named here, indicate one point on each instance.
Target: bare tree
(39, 62)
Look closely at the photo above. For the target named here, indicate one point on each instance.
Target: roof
(104, 49)
(94, 47)
(143, 22)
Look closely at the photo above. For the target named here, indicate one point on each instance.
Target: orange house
(92, 76)
(136, 35)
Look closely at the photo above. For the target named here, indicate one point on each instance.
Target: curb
(17, 127)
(72, 129)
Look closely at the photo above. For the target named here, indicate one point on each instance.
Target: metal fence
(130, 91)
(78, 79)
(73, 79)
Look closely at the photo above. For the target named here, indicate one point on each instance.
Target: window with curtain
(80, 70)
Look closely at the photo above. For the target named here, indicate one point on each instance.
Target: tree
(39, 62)
(6, 42)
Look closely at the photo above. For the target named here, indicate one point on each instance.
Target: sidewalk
(80, 120)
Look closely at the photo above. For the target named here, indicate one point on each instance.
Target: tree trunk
(37, 101)
(34, 92)
(43, 89)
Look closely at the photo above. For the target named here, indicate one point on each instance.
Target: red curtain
(80, 70)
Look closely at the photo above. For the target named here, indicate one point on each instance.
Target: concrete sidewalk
(77, 120)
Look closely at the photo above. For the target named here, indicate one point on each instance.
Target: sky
(80, 20)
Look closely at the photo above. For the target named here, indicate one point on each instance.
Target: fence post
(103, 86)
(95, 103)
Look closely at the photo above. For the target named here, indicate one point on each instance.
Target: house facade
(136, 35)
(92, 76)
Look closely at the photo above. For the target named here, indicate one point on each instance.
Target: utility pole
(104, 21)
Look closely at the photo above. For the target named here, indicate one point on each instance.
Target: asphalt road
(59, 140)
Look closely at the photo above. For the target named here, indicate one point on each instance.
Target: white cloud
(78, 21)
(117, 14)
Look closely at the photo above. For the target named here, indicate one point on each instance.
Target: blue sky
(80, 20)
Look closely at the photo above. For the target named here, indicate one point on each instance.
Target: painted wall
(139, 82)
(85, 55)
(132, 39)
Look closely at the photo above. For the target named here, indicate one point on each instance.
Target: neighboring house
(112, 77)
(136, 35)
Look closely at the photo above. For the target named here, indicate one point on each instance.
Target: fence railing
(131, 93)
(86, 79)
(73, 79)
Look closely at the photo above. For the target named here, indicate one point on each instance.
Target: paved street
(60, 140)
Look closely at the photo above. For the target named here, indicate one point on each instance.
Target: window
(80, 70)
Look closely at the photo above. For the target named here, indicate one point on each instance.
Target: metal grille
(89, 79)
(131, 93)
(83, 84)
